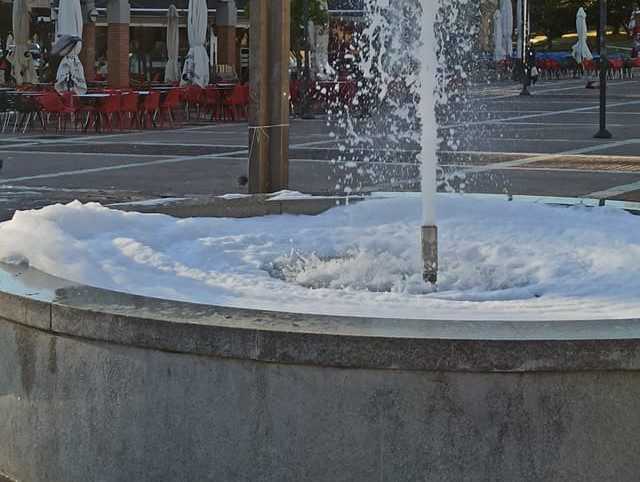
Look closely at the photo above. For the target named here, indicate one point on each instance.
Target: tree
(618, 14)
(556, 17)
(317, 14)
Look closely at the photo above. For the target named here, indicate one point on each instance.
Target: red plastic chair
(110, 107)
(129, 108)
(546, 69)
(51, 103)
(616, 66)
(347, 92)
(237, 103)
(294, 94)
(193, 96)
(245, 98)
(554, 68)
(589, 66)
(212, 101)
(150, 107)
(314, 93)
(170, 103)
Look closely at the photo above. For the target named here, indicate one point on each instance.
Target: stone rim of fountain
(60, 307)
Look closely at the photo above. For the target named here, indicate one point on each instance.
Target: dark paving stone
(356, 154)
(545, 183)
(47, 137)
(24, 198)
(132, 148)
(398, 168)
(633, 196)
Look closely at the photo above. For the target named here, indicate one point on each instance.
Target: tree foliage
(316, 13)
(556, 17)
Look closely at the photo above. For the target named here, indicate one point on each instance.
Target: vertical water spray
(429, 140)
(407, 50)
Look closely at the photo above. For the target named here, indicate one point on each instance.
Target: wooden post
(118, 17)
(88, 52)
(269, 96)
(226, 22)
(603, 133)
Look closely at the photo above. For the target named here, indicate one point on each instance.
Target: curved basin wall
(86, 408)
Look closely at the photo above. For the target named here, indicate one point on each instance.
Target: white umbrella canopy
(10, 42)
(172, 69)
(70, 76)
(213, 47)
(23, 69)
(498, 52)
(196, 65)
(506, 13)
(580, 50)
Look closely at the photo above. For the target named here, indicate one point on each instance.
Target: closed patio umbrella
(213, 47)
(506, 13)
(580, 50)
(70, 76)
(172, 69)
(10, 42)
(64, 45)
(498, 52)
(22, 66)
(196, 65)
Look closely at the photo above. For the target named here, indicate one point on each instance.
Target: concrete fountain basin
(99, 385)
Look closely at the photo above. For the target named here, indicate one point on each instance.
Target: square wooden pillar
(227, 45)
(226, 22)
(118, 43)
(88, 52)
(269, 96)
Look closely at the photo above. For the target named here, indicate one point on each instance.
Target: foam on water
(499, 259)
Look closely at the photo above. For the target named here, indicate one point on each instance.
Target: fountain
(310, 348)
(429, 144)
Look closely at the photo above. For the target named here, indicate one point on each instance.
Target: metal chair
(28, 109)
(7, 109)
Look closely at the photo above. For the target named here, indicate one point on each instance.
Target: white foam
(499, 259)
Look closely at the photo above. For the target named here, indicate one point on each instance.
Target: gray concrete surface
(119, 388)
(235, 207)
(496, 128)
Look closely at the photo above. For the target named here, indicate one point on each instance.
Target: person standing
(634, 28)
(4, 67)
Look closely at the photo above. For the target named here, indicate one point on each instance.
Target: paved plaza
(538, 145)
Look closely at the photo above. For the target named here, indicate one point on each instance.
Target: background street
(504, 143)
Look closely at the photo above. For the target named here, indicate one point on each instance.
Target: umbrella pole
(430, 254)
(603, 133)
(306, 82)
(524, 61)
